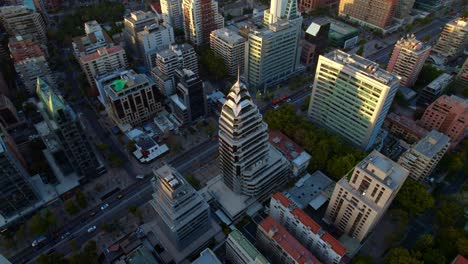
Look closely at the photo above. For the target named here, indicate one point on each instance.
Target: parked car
(91, 229)
(104, 206)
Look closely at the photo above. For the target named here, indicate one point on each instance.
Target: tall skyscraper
(189, 100)
(453, 39)
(351, 97)
(68, 128)
(421, 159)
(373, 13)
(200, 18)
(16, 190)
(361, 198)
(172, 13)
(449, 115)
(407, 59)
(229, 45)
(249, 164)
(183, 214)
(18, 20)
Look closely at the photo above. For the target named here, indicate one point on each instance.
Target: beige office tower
(453, 39)
(421, 159)
(351, 97)
(231, 47)
(360, 199)
(21, 21)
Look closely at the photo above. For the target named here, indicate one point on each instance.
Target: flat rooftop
(309, 188)
(407, 123)
(363, 66)
(250, 249)
(432, 144)
(384, 169)
(207, 257)
(229, 36)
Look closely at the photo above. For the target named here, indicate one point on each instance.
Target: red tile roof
(306, 220)
(96, 54)
(282, 199)
(335, 244)
(285, 144)
(287, 242)
(460, 260)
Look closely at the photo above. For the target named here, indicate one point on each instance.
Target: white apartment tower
(359, 200)
(453, 39)
(230, 46)
(200, 18)
(172, 13)
(153, 38)
(351, 97)
(249, 164)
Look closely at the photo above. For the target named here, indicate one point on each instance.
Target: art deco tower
(250, 166)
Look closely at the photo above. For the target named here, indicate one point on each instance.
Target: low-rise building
(321, 243)
(95, 37)
(281, 246)
(421, 159)
(239, 250)
(298, 158)
(434, 89)
(404, 128)
(311, 190)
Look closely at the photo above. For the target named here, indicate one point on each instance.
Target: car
(140, 177)
(275, 106)
(119, 196)
(38, 241)
(91, 229)
(104, 206)
(92, 214)
(288, 100)
(67, 234)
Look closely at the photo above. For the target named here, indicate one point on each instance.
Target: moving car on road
(91, 229)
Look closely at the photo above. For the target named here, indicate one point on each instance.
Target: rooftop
(280, 197)
(407, 123)
(306, 220)
(288, 147)
(334, 243)
(384, 169)
(431, 144)
(410, 42)
(308, 188)
(286, 241)
(127, 80)
(250, 249)
(229, 36)
(459, 22)
(207, 257)
(363, 66)
(101, 52)
(440, 82)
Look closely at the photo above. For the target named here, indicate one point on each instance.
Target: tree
(212, 65)
(432, 256)
(447, 239)
(448, 213)
(414, 198)
(71, 207)
(53, 258)
(462, 246)
(428, 74)
(361, 259)
(38, 224)
(131, 146)
(305, 105)
(133, 209)
(400, 256)
(424, 243)
(193, 181)
(360, 51)
(81, 199)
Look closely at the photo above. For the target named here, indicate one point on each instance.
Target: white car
(91, 229)
(104, 206)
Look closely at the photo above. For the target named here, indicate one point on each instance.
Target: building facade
(405, 128)
(407, 59)
(134, 23)
(373, 13)
(249, 164)
(230, 46)
(200, 18)
(18, 20)
(24, 47)
(453, 39)
(69, 130)
(132, 99)
(351, 97)
(102, 61)
(449, 115)
(434, 90)
(183, 215)
(358, 203)
(189, 100)
(95, 37)
(321, 243)
(239, 250)
(172, 13)
(153, 38)
(311, 5)
(281, 246)
(32, 68)
(422, 158)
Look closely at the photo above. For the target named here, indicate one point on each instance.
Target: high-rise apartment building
(280, 245)
(95, 37)
(407, 59)
(449, 115)
(403, 8)
(358, 203)
(32, 68)
(421, 159)
(172, 13)
(229, 45)
(66, 125)
(373, 13)
(153, 38)
(181, 56)
(351, 96)
(250, 166)
(102, 61)
(131, 98)
(18, 20)
(17, 191)
(134, 23)
(189, 100)
(239, 250)
(321, 243)
(453, 39)
(311, 5)
(200, 18)
(183, 214)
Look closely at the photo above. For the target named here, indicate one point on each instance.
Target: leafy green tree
(361, 259)
(38, 224)
(424, 243)
(81, 199)
(400, 256)
(53, 258)
(133, 209)
(447, 239)
(414, 198)
(71, 207)
(213, 65)
(428, 74)
(462, 245)
(448, 212)
(360, 51)
(432, 256)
